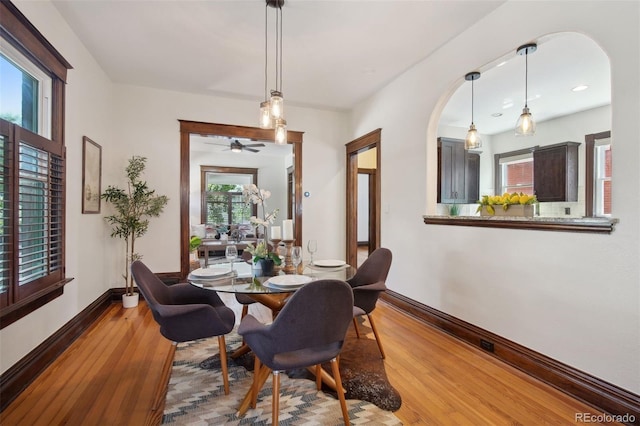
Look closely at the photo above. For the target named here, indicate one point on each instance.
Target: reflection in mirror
(564, 110)
(219, 166)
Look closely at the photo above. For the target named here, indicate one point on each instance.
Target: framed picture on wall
(91, 175)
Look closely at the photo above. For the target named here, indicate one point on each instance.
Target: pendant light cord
(266, 56)
(472, 101)
(526, 77)
(277, 47)
(281, 19)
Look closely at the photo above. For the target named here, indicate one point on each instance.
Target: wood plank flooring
(116, 374)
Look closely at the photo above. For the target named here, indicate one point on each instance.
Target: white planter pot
(130, 301)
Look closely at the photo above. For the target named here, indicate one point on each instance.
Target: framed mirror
(212, 148)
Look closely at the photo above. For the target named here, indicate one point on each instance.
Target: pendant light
(272, 109)
(472, 141)
(525, 125)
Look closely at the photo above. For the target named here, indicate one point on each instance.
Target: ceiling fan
(237, 146)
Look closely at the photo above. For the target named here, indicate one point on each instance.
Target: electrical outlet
(486, 345)
(567, 210)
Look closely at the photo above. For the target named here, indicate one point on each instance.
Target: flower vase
(194, 262)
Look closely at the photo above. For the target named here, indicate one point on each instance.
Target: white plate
(286, 281)
(329, 263)
(211, 271)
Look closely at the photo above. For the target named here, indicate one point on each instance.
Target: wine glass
(312, 247)
(231, 253)
(296, 257)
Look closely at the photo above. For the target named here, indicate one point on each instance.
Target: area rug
(196, 396)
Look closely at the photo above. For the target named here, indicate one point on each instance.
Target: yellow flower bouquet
(505, 200)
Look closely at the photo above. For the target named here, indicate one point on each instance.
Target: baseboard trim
(598, 393)
(24, 372)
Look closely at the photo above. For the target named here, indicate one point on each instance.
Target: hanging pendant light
(472, 141)
(281, 131)
(525, 125)
(272, 109)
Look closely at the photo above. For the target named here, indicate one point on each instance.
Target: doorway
(363, 212)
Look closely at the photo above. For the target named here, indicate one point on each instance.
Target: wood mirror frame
(195, 127)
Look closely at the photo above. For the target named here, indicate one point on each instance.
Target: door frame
(353, 148)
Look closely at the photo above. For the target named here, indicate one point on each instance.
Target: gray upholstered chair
(308, 331)
(186, 312)
(367, 284)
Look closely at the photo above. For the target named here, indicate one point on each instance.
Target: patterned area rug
(196, 394)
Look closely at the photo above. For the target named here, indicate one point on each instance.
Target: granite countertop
(570, 224)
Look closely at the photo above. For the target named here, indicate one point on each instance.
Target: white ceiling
(335, 53)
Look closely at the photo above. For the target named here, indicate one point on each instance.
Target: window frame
(222, 170)
(17, 31)
(590, 173)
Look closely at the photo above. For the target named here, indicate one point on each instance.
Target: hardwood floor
(116, 374)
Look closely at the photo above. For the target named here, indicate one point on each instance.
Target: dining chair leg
(340, 390)
(375, 333)
(223, 362)
(245, 311)
(275, 401)
(355, 325)
(254, 386)
(319, 376)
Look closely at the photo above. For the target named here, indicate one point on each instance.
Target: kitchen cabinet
(555, 172)
(458, 172)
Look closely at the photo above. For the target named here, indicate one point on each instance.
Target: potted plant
(516, 204)
(263, 257)
(133, 207)
(194, 243)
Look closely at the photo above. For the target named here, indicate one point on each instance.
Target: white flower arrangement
(252, 194)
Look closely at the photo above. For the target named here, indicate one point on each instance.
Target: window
(222, 200)
(25, 98)
(517, 175)
(32, 168)
(514, 172)
(603, 180)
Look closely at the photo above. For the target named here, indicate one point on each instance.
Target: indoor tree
(133, 207)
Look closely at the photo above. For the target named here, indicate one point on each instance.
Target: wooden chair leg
(223, 362)
(319, 376)
(340, 390)
(245, 311)
(355, 325)
(255, 385)
(275, 402)
(375, 333)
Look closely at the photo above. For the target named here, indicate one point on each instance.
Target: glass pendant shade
(277, 105)
(266, 122)
(281, 131)
(472, 141)
(525, 125)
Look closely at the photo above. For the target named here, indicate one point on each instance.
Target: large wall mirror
(222, 156)
(569, 95)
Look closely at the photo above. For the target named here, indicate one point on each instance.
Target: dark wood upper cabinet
(458, 172)
(555, 172)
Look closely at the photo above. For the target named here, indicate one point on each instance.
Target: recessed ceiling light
(496, 114)
(580, 88)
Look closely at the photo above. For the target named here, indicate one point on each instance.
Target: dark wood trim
(593, 225)
(22, 308)
(372, 139)
(583, 386)
(589, 166)
(24, 36)
(200, 128)
(21, 374)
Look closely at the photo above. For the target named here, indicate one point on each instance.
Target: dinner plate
(329, 263)
(288, 281)
(211, 271)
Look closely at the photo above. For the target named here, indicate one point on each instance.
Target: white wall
(573, 297)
